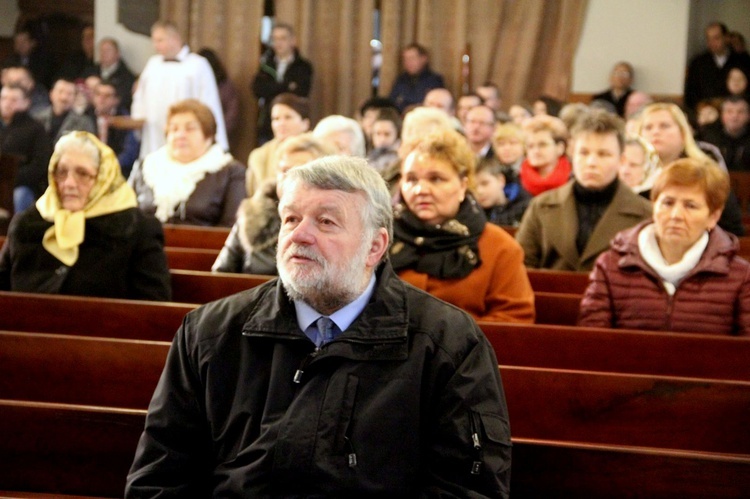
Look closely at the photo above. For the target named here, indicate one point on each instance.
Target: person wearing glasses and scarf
(85, 235)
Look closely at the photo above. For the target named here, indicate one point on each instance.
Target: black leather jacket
(247, 407)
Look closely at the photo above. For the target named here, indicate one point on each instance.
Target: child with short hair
(500, 194)
(386, 130)
(507, 142)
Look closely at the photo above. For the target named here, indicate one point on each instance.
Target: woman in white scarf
(679, 272)
(190, 180)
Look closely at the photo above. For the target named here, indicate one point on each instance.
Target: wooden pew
(191, 236)
(87, 316)
(80, 370)
(67, 449)
(628, 409)
(88, 450)
(552, 404)
(564, 347)
(558, 281)
(190, 258)
(621, 351)
(543, 468)
(201, 287)
(557, 308)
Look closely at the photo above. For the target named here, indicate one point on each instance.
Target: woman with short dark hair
(191, 180)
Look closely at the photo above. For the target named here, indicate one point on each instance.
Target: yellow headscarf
(110, 194)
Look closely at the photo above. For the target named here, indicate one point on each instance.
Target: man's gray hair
(353, 175)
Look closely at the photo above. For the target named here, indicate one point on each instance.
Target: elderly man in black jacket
(336, 380)
(281, 70)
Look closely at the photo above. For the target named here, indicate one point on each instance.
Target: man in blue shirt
(335, 380)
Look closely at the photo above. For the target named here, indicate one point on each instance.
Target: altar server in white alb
(172, 75)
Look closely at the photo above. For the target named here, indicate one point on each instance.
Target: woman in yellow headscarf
(86, 235)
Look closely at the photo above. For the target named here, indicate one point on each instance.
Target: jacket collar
(379, 333)
(716, 258)
(563, 218)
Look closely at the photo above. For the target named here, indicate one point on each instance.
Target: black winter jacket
(246, 407)
(122, 256)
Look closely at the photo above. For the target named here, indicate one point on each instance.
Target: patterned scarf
(445, 251)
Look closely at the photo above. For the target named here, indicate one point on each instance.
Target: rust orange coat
(498, 290)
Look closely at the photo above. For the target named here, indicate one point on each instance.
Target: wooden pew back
(80, 370)
(88, 451)
(628, 409)
(621, 351)
(67, 449)
(87, 316)
(191, 236)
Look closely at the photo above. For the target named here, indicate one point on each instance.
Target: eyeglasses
(79, 175)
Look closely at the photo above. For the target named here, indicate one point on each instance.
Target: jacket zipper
(476, 425)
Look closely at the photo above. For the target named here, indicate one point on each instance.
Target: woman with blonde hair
(666, 127)
(442, 241)
(85, 235)
(640, 160)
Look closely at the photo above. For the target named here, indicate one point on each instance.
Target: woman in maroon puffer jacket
(679, 272)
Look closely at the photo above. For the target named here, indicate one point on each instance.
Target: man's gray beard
(334, 288)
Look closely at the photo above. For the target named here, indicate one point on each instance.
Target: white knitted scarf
(173, 182)
(671, 275)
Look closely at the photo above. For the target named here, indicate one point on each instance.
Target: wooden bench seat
(553, 404)
(67, 449)
(202, 287)
(543, 468)
(80, 370)
(190, 258)
(619, 350)
(57, 448)
(550, 346)
(191, 236)
(628, 409)
(88, 316)
(193, 286)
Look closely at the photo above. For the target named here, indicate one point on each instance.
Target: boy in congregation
(568, 227)
(386, 130)
(500, 195)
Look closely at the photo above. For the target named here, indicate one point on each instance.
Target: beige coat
(548, 229)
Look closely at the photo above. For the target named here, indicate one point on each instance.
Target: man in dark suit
(282, 69)
(479, 126)
(113, 69)
(22, 136)
(122, 141)
(417, 79)
(707, 73)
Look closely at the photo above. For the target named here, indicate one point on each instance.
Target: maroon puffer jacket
(624, 292)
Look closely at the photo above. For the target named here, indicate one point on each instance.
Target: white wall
(135, 48)
(8, 14)
(651, 35)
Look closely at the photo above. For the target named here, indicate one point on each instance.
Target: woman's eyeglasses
(79, 175)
